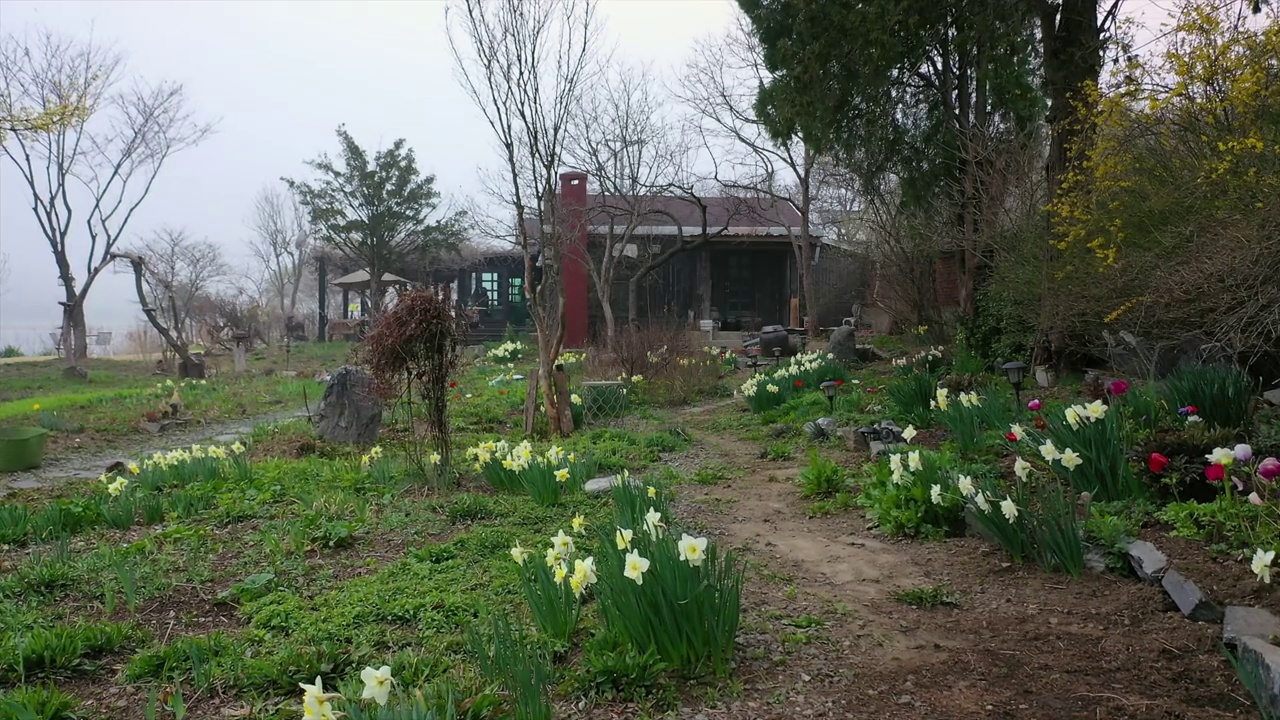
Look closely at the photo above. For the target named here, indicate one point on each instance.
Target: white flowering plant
(1084, 445)
(183, 466)
(963, 416)
(508, 352)
(802, 373)
(665, 590)
(545, 475)
(1032, 517)
(554, 581)
(901, 494)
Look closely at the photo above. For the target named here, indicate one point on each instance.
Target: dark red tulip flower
(1157, 463)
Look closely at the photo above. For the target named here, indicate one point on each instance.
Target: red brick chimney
(573, 268)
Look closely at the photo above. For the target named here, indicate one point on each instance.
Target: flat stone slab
(1190, 601)
(26, 484)
(1260, 662)
(1241, 622)
(1148, 562)
(602, 485)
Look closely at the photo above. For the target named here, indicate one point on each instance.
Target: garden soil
(1020, 644)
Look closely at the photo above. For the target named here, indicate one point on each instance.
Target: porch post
(346, 304)
(704, 282)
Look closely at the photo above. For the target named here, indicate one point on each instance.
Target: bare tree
(620, 139)
(281, 245)
(525, 63)
(180, 271)
(719, 86)
(99, 164)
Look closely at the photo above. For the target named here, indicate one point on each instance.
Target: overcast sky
(279, 77)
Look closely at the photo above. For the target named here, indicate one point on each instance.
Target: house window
(489, 282)
(515, 290)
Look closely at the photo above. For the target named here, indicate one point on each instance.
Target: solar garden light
(1015, 372)
(829, 389)
(777, 355)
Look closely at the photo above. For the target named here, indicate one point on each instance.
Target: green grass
(119, 393)
(319, 566)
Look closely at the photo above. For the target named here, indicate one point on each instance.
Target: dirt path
(824, 636)
(89, 464)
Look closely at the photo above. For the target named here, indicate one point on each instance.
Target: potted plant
(21, 448)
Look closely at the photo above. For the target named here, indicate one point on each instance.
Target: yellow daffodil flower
(913, 461)
(623, 538)
(562, 475)
(653, 523)
(935, 494)
(585, 570)
(434, 458)
(1009, 508)
(635, 567)
(981, 500)
(1021, 468)
(692, 550)
(519, 554)
(965, 484)
(133, 468)
(575, 584)
(562, 543)
(561, 573)
(117, 487)
(1049, 452)
(910, 433)
(1070, 459)
(653, 492)
(1017, 431)
(375, 451)
(579, 523)
(36, 406)
(553, 557)
(377, 684)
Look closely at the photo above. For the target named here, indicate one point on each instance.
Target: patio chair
(56, 337)
(102, 341)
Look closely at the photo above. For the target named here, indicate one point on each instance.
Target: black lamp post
(829, 389)
(1015, 372)
(777, 355)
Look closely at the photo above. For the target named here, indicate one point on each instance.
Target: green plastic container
(21, 448)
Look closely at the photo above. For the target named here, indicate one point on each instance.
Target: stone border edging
(1247, 629)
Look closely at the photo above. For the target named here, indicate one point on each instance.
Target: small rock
(779, 431)
(906, 700)
(602, 485)
(1193, 604)
(1261, 660)
(1241, 622)
(876, 448)
(1095, 560)
(26, 484)
(852, 439)
(1272, 396)
(1147, 560)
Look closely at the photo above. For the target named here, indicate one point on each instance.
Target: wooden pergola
(359, 281)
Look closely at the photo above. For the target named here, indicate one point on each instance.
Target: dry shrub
(675, 371)
(412, 353)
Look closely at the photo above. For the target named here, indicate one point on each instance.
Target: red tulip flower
(1039, 423)
(799, 383)
(453, 384)
(1192, 409)
(457, 396)
(1118, 387)
(1157, 463)
(839, 383)
(1011, 437)
(502, 392)
(1215, 472)
(1033, 405)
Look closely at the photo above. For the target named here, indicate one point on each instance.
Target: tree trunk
(546, 366)
(606, 305)
(633, 298)
(80, 329)
(808, 284)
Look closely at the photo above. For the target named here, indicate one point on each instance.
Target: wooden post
(531, 402)
(560, 379)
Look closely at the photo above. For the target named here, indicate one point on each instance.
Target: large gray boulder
(844, 344)
(350, 411)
